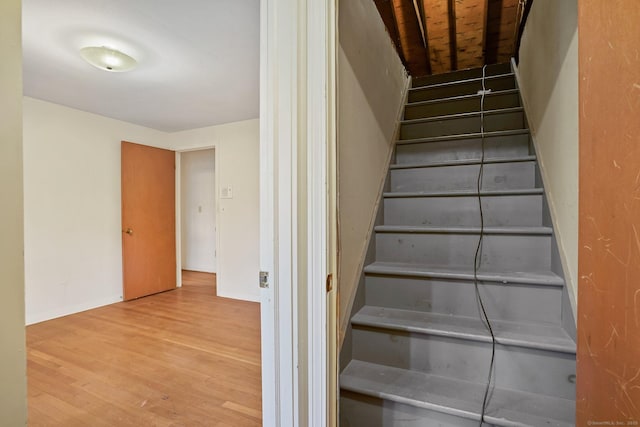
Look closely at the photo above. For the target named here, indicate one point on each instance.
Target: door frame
(297, 211)
(178, 190)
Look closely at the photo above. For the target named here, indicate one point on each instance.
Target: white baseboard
(32, 318)
(239, 296)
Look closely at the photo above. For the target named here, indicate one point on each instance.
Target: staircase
(419, 352)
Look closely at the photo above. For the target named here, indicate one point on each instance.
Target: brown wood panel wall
(608, 387)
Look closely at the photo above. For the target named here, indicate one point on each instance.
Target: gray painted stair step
(465, 193)
(539, 277)
(456, 116)
(494, 120)
(528, 335)
(361, 410)
(460, 162)
(503, 144)
(462, 87)
(536, 358)
(520, 231)
(495, 176)
(462, 104)
(499, 211)
(428, 393)
(455, 76)
(455, 137)
(456, 297)
(517, 249)
(475, 96)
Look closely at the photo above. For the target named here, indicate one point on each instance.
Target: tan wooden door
(148, 220)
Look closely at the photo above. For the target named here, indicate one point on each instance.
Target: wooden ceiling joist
(422, 21)
(385, 9)
(508, 26)
(417, 8)
(438, 36)
(485, 28)
(453, 40)
(412, 46)
(492, 38)
(501, 23)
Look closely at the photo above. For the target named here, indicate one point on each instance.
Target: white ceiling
(198, 60)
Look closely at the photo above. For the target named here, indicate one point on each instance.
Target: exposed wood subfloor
(180, 358)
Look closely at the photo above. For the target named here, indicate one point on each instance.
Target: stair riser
(463, 149)
(440, 108)
(495, 176)
(499, 252)
(357, 410)
(472, 88)
(464, 211)
(503, 301)
(475, 73)
(463, 125)
(525, 369)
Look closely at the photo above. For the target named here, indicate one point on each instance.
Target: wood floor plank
(180, 358)
(243, 409)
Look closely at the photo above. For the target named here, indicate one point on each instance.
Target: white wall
(548, 76)
(73, 252)
(237, 158)
(198, 210)
(13, 381)
(371, 86)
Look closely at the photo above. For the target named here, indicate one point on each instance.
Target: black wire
(476, 261)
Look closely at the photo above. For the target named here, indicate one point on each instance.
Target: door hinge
(264, 279)
(329, 283)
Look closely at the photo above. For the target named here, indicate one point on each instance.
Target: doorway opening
(197, 211)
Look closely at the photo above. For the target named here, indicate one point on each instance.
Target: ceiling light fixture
(108, 59)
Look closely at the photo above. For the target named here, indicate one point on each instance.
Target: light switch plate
(227, 192)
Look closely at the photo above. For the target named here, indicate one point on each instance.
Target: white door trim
(320, 107)
(273, 393)
(297, 103)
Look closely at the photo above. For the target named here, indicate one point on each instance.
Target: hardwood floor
(180, 358)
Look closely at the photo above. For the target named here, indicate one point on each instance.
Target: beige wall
(13, 400)
(73, 240)
(548, 76)
(371, 86)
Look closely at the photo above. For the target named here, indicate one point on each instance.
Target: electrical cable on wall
(477, 259)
